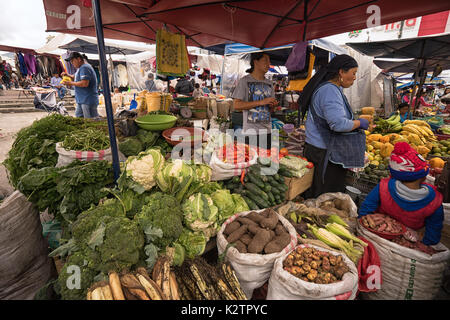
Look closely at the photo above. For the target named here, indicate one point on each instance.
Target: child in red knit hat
(405, 197)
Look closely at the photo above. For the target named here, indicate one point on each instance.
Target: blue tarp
(278, 55)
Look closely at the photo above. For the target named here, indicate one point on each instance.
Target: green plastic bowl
(156, 122)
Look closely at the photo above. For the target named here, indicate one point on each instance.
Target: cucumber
(232, 186)
(246, 178)
(272, 181)
(267, 188)
(285, 172)
(255, 179)
(256, 190)
(271, 197)
(275, 191)
(277, 177)
(251, 204)
(236, 179)
(260, 202)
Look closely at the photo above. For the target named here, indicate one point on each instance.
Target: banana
(165, 279)
(152, 289)
(411, 129)
(394, 120)
(174, 290)
(420, 129)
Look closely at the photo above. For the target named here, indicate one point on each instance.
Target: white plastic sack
(446, 213)
(408, 274)
(66, 157)
(253, 270)
(353, 214)
(223, 171)
(24, 263)
(285, 286)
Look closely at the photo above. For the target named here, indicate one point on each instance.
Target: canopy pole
(419, 90)
(106, 89)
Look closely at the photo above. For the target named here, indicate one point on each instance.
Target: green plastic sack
(52, 232)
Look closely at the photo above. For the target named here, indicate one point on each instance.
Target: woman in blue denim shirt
(329, 121)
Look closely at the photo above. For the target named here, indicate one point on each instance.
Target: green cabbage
(131, 146)
(194, 243)
(175, 178)
(239, 203)
(225, 203)
(200, 214)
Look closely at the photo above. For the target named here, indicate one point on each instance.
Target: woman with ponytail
(335, 141)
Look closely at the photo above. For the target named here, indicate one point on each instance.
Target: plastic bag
(65, 157)
(285, 286)
(25, 266)
(407, 274)
(253, 270)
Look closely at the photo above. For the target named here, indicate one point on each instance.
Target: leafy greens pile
(34, 146)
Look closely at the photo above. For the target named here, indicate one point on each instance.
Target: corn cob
(336, 219)
(334, 241)
(341, 231)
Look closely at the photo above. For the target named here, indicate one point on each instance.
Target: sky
(23, 23)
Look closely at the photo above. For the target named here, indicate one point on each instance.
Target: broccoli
(162, 211)
(88, 220)
(121, 245)
(108, 240)
(131, 146)
(147, 138)
(69, 287)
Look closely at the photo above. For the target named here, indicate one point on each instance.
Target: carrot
(242, 177)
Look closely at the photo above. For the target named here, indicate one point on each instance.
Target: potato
(246, 238)
(259, 241)
(253, 229)
(240, 246)
(280, 229)
(237, 234)
(244, 220)
(271, 221)
(254, 216)
(233, 226)
(278, 243)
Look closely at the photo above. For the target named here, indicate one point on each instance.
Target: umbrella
(428, 54)
(263, 23)
(89, 45)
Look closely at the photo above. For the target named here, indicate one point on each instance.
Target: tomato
(310, 165)
(284, 151)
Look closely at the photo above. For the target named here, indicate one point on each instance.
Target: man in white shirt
(55, 82)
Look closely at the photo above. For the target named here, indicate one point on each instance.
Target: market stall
(196, 214)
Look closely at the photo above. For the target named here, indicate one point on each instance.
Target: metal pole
(106, 89)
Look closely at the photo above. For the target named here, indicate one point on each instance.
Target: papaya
(437, 162)
(386, 150)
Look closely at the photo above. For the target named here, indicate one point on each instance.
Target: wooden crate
(298, 185)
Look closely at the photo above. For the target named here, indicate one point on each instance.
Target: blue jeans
(86, 111)
(61, 92)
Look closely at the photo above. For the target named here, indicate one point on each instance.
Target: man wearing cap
(405, 197)
(86, 95)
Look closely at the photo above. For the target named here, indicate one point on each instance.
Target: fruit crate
(363, 185)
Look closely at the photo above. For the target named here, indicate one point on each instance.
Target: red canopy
(260, 23)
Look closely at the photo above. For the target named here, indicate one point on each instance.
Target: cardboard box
(298, 185)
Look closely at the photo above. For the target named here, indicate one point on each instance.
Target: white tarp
(366, 90)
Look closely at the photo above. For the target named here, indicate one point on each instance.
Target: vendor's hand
(363, 123)
(272, 101)
(63, 74)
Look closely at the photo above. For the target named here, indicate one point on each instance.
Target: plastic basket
(361, 184)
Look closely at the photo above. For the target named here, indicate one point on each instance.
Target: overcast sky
(22, 23)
